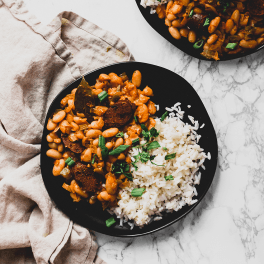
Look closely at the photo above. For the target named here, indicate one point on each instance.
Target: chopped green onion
(120, 134)
(231, 46)
(191, 13)
(206, 22)
(156, 164)
(135, 118)
(153, 145)
(102, 96)
(164, 116)
(119, 149)
(104, 149)
(137, 192)
(170, 156)
(144, 127)
(135, 141)
(69, 161)
(169, 178)
(93, 160)
(198, 44)
(153, 132)
(165, 148)
(110, 221)
(129, 176)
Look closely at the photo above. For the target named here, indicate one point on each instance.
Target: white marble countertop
(227, 227)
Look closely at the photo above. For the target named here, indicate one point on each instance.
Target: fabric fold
(37, 62)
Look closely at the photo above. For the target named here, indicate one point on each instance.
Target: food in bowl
(111, 149)
(216, 27)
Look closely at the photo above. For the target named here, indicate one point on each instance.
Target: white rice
(152, 3)
(161, 195)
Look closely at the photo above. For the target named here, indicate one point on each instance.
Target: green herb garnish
(198, 44)
(206, 22)
(170, 156)
(135, 118)
(137, 192)
(69, 161)
(231, 46)
(191, 13)
(120, 134)
(119, 149)
(122, 167)
(102, 96)
(169, 178)
(153, 145)
(156, 164)
(164, 116)
(93, 160)
(110, 221)
(104, 149)
(135, 141)
(165, 148)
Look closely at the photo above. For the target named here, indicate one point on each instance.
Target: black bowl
(183, 44)
(168, 88)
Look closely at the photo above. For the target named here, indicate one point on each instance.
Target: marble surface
(227, 227)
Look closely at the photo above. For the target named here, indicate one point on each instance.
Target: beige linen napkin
(37, 62)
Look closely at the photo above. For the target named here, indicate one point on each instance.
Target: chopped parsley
(169, 178)
(164, 116)
(120, 134)
(122, 167)
(170, 156)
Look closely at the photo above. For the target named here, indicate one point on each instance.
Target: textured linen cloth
(37, 62)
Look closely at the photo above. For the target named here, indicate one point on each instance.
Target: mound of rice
(162, 195)
(152, 3)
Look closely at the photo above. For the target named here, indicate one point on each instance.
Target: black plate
(183, 44)
(168, 88)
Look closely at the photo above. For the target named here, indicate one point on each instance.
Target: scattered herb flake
(153, 145)
(164, 116)
(135, 118)
(110, 221)
(120, 134)
(170, 156)
(137, 192)
(169, 178)
(119, 150)
(93, 158)
(165, 148)
(206, 22)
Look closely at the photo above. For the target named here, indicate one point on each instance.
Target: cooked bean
(59, 116)
(96, 142)
(60, 147)
(243, 20)
(49, 139)
(151, 108)
(142, 113)
(93, 133)
(128, 141)
(233, 30)
(119, 142)
(136, 78)
(53, 145)
(160, 10)
(236, 16)
(103, 77)
(78, 190)
(54, 154)
(214, 24)
(229, 25)
(171, 17)
(57, 140)
(65, 127)
(197, 10)
(78, 120)
(212, 39)
(75, 127)
(176, 9)
(248, 44)
(184, 32)
(167, 22)
(258, 31)
(147, 91)
(109, 145)
(169, 5)
(86, 155)
(58, 167)
(192, 36)
(174, 32)
(260, 41)
(176, 23)
(111, 132)
(99, 153)
(51, 125)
